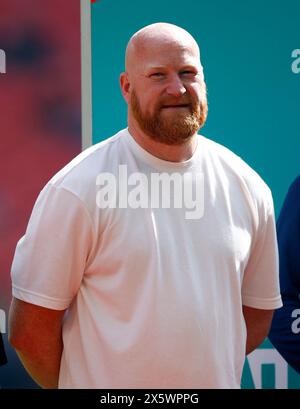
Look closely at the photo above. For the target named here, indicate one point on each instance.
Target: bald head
(157, 35)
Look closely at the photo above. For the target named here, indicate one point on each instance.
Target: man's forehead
(175, 58)
(161, 42)
(166, 56)
(165, 62)
(165, 43)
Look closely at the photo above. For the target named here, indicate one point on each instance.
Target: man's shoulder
(89, 163)
(237, 169)
(79, 176)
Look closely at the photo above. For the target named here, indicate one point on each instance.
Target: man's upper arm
(51, 258)
(36, 334)
(260, 319)
(258, 324)
(30, 324)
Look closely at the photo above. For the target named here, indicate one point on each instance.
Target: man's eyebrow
(183, 67)
(189, 67)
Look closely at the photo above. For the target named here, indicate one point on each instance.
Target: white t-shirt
(154, 295)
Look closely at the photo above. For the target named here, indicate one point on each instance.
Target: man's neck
(171, 153)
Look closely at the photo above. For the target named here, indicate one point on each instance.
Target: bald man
(150, 261)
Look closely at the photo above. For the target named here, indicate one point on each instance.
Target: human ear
(125, 86)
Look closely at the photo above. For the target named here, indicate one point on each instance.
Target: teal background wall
(246, 49)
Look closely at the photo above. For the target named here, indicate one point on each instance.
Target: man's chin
(176, 109)
(170, 127)
(172, 135)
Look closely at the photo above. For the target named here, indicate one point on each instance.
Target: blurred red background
(39, 106)
(40, 125)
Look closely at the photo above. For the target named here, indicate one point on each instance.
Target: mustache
(175, 102)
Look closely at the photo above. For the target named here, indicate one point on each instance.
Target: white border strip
(86, 74)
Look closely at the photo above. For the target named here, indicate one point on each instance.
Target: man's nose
(175, 86)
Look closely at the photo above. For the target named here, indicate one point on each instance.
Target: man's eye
(188, 73)
(157, 74)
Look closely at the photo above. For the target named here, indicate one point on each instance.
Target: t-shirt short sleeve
(260, 288)
(50, 259)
